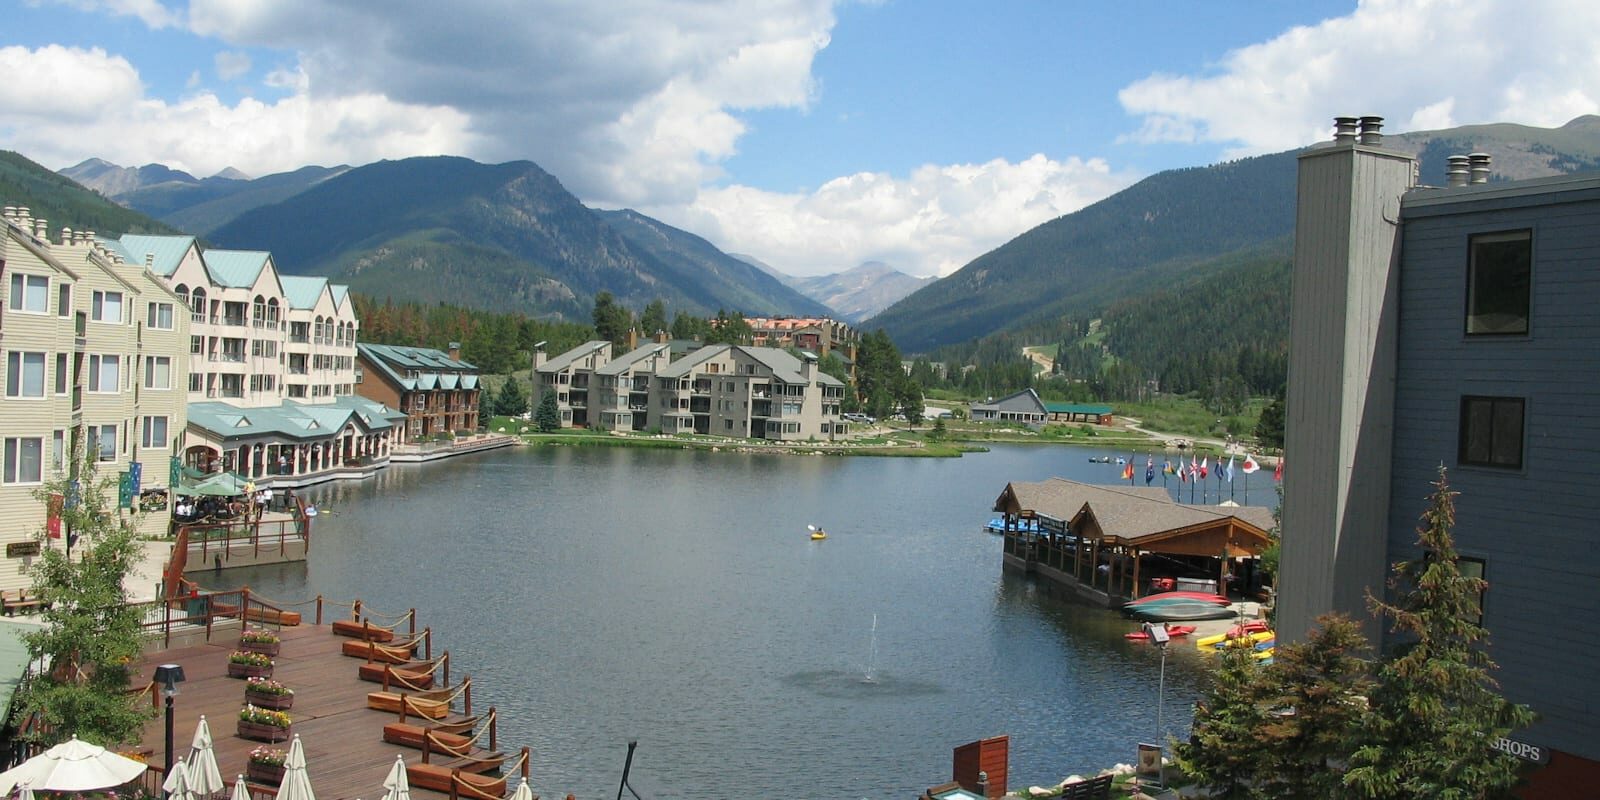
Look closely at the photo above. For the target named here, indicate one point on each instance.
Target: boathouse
(1108, 542)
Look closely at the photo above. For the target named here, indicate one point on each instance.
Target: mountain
(111, 180)
(207, 205)
(65, 203)
(857, 294)
(711, 277)
(785, 279)
(1149, 235)
(493, 236)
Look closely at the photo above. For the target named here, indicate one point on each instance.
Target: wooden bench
(441, 778)
(384, 672)
(14, 600)
(372, 651)
(407, 735)
(362, 630)
(1096, 788)
(421, 706)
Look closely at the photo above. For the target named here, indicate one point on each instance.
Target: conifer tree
(548, 417)
(1224, 753)
(1436, 712)
(1316, 704)
(90, 633)
(510, 401)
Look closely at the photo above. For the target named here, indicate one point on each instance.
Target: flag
(1127, 472)
(1183, 472)
(1149, 469)
(1277, 474)
(1249, 465)
(1205, 467)
(1168, 468)
(1227, 472)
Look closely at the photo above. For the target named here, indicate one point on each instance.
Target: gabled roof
(1133, 515)
(433, 369)
(340, 293)
(167, 252)
(301, 291)
(785, 367)
(1078, 408)
(618, 366)
(293, 419)
(236, 269)
(565, 360)
(1027, 398)
(694, 358)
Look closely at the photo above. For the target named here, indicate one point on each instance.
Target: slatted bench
(407, 735)
(362, 630)
(384, 672)
(444, 779)
(393, 701)
(372, 651)
(1096, 788)
(14, 600)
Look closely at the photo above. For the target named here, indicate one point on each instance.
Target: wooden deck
(346, 756)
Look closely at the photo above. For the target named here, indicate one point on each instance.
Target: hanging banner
(174, 471)
(136, 473)
(52, 520)
(124, 490)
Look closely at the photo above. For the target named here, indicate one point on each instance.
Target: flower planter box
(270, 774)
(248, 671)
(276, 702)
(263, 733)
(264, 648)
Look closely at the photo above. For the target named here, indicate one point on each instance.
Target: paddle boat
(817, 534)
(1236, 632)
(1173, 631)
(1258, 640)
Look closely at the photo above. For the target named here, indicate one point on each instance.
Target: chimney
(660, 337)
(633, 338)
(1370, 127)
(1344, 130)
(538, 355)
(41, 230)
(1455, 174)
(455, 351)
(66, 237)
(1479, 167)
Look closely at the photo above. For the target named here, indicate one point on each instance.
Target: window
(24, 459)
(1475, 568)
(197, 345)
(159, 316)
(1491, 432)
(104, 373)
(24, 374)
(195, 381)
(1499, 273)
(106, 437)
(61, 373)
(30, 293)
(157, 372)
(58, 450)
(64, 299)
(106, 307)
(154, 434)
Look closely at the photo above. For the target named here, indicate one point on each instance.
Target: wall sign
(21, 549)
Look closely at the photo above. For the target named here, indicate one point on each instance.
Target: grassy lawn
(1187, 416)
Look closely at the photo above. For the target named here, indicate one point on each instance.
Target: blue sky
(811, 134)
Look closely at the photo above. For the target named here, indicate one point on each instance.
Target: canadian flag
(1277, 474)
(1205, 467)
(1249, 465)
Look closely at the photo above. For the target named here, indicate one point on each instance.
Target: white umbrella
(177, 783)
(240, 790)
(24, 792)
(398, 785)
(72, 766)
(296, 784)
(204, 777)
(522, 792)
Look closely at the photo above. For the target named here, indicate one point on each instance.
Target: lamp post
(1158, 637)
(169, 676)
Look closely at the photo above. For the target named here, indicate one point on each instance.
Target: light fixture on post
(1157, 632)
(169, 676)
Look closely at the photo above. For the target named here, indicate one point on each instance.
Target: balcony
(299, 338)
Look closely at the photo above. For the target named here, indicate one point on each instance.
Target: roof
(292, 419)
(1129, 515)
(617, 366)
(419, 368)
(237, 269)
(166, 252)
(786, 367)
(1078, 408)
(13, 658)
(301, 291)
(692, 359)
(1026, 398)
(565, 360)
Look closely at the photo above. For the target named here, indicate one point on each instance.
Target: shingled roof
(1129, 515)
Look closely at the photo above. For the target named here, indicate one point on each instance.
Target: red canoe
(1172, 630)
(1204, 597)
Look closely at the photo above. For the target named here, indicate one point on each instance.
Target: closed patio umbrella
(397, 784)
(177, 783)
(204, 777)
(296, 784)
(72, 766)
(240, 790)
(522, 792)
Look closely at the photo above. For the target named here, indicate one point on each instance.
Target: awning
(224, 484)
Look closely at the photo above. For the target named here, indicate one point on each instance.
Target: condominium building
(436, 392)
(1450, 326)
(94, 361)
(748, 392)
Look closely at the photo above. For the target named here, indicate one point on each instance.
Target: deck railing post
(446, 669)
(413, 624)
(427, 643)
(467, 703)
(355, 610)
(494, 731)
(319, 609)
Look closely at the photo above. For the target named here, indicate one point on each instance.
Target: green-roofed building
(436, 390)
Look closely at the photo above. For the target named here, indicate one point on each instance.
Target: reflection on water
(601, 595)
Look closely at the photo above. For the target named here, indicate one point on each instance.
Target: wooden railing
(196, 608)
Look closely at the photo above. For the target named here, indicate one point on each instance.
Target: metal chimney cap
(1371, 130)
(1344, 129)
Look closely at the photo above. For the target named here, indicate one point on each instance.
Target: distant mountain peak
(231, 174)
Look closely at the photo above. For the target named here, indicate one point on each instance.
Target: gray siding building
(1475, 344)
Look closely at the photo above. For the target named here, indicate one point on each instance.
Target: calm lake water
(598, 595)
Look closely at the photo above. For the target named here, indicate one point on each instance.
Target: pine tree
(90, 633)
(510, 401)
(1224, 754)
(1436, 712)
(548, 417)
(1316, 709)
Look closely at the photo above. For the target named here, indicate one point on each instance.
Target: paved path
(143, 582)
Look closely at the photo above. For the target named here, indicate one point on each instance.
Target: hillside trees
(548, 417)
(1269, 429)
(416, 325)
(510, 401)
(611, 320)
(653, 318)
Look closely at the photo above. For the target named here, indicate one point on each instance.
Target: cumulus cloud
(60, 105)
(231, 64)
(931, 222)
(1422, 63)
(151, 12)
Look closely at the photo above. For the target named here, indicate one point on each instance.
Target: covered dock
(1107, 542)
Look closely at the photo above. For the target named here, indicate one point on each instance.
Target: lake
(598, 595)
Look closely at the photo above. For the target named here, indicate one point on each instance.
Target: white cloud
(151, 12)
(931, 222)
(1426, 63)
(62, 85)
(232, 64)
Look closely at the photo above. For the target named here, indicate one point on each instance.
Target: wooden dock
(346, 756)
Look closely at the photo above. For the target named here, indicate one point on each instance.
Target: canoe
(1177, 612)
(1253, 626)
(1173, 631)
(1219, 643)
(1163, 597)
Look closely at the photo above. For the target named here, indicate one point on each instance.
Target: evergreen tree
(938, 432)
(653, 318)
(548, 417)
(1269, 430)
(688, 326)
(510, 401)
(1316, 707)
(1436, 712)
(611, 321)
(1223, 754)
(90, 633)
